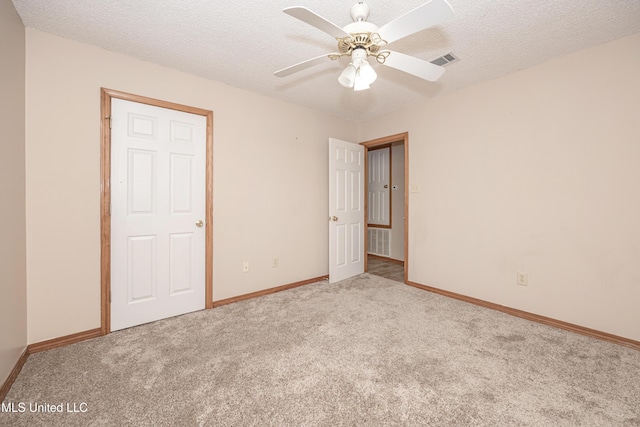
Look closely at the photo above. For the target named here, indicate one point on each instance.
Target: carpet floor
(366, 351)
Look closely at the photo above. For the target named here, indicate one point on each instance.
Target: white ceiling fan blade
(315, 20)
(417, 67)
(431, 13)
(301, 66)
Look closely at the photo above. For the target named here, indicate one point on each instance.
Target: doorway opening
(387, 230)
(106, 97)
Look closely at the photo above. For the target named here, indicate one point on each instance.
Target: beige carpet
(363, 352)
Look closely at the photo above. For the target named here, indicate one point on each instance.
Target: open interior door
(346, 210)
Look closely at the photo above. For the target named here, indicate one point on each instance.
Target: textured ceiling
(241, 43)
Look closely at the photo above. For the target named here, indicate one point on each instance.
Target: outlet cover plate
(522, 279)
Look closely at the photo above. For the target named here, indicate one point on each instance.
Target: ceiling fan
(361, 39)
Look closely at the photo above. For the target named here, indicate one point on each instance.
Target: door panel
(158, 170)
(180, 268)
(346, 210)
(141, 267)
(356, 243)
(181, 185)
(141, 178)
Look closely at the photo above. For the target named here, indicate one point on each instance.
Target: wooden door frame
(106, 95)
(404, 138)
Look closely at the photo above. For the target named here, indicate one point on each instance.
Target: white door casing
(379, 187)
(158, 172)
(346, 210)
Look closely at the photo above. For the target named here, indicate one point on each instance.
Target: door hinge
(109, 118)
(110, 209)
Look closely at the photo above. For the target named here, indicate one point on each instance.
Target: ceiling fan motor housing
(363, 35)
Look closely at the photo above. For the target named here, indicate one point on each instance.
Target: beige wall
(536, 172)
(270, 179)
(13, 282)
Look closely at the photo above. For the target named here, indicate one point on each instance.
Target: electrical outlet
(275, 263)
(245, 267)
(522, 279)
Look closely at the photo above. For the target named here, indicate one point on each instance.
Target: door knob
(333, 218)
(199, 223)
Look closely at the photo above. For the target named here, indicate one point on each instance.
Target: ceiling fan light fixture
(367, 73)
(359, 73)
(360, 84)
(348, 76)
